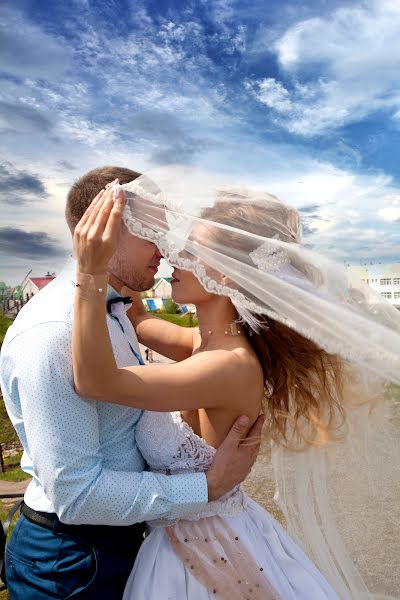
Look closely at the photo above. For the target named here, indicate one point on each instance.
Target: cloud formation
(301, 101)
(30, 245)
(26, 50)
(337, 69)
(22, 118)
(18, 186)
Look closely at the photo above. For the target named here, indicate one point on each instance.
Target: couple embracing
(136, 469)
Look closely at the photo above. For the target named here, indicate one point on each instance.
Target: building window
(396, 281)
(397, 295)
(386, 282)
(386, 294)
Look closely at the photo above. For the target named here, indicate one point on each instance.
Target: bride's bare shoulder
(238, 370)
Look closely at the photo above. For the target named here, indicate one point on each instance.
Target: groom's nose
(158, 254)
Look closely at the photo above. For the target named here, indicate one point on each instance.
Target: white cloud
(391, 209)
(157, 90)
(339, 69)
(346, 215)
(271, 93)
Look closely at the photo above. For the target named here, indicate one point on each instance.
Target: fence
(11, 306)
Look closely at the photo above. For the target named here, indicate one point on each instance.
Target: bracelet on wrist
(89, 286)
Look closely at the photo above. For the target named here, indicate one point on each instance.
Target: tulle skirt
(245, 556)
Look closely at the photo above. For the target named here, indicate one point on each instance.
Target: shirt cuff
(189, 495)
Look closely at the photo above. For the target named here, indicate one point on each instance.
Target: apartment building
(384, 278)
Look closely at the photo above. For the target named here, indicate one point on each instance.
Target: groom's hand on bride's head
(235, 457)
(97, 234)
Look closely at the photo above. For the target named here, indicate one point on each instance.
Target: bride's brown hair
(303, 382)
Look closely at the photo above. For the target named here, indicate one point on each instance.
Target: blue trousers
(43, 564)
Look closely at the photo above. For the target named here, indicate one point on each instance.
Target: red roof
(41, 282)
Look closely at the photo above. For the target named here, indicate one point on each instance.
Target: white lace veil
(341, 499)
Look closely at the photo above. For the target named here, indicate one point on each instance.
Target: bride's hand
(97, 234)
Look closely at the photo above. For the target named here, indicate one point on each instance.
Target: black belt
(49, 520)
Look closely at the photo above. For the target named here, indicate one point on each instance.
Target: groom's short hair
(88, 186)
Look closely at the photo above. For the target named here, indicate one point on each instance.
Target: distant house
(35, 284)
(156, 298)
(161, 289)
(383, 278)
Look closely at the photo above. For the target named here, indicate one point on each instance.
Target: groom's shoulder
(52, 305)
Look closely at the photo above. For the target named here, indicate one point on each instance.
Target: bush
(170, 307)
(187, 320)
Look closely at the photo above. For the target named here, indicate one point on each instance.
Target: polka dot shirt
(82, 454)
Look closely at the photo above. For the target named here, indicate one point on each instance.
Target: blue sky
(301, 99)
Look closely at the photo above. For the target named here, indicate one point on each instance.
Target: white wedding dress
(232, 549)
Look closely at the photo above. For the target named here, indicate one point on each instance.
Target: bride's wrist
(91, 285)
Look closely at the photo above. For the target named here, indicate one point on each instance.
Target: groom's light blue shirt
(82, 454)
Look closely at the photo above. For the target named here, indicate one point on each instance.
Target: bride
(240, 360)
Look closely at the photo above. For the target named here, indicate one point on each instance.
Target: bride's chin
(179, 298)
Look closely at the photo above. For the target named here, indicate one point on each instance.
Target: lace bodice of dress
(170, 446)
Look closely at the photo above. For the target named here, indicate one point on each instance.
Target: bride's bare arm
(198, 382)
(206, 380)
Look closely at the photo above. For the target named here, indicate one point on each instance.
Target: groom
(82, 521)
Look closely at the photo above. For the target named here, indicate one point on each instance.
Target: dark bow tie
(119, 306)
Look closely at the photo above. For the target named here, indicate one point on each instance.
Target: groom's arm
(62, 437)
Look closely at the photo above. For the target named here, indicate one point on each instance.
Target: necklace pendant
(234, 329)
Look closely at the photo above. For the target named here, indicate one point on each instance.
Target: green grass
(8, 435)
(14, 475)
(13, 470)
(4, 325)
(395, 392)
(5, 506)
(185, 321)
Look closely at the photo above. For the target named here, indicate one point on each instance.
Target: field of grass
(13, 470)
(187, 320)
(4, 325)
(395, 392)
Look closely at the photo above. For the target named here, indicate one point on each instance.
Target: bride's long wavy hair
(303, 382)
